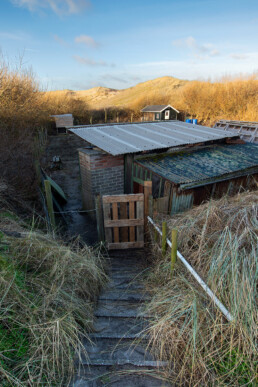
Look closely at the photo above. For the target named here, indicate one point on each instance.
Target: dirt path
(118, 355)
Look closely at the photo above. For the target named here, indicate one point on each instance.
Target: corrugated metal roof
(118, 139)
(204, 164)
(156, 108)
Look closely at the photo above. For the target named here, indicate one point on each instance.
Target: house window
(157, 116)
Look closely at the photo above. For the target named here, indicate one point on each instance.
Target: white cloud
(239, 56)
(92, 62)
(200, 50)
(87, 40)
(60, 7)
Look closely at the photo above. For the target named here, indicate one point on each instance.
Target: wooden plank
(132, 217)
(107, 216)
(160, 185)
(136, 170)
(123, 198)
(141, 174)
(137, 180)
(115, 217)
(140, 215)
(125, 245)
(167, 188)
(123, 215)
(125, 222)
(161, 205)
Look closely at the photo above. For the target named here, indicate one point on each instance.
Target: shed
(62, 121)
(107, 160)
(159, 113)
(189, 177)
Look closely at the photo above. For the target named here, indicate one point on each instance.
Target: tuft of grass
(219, 239)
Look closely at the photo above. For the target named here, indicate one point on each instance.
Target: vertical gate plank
(123, 215)
(107, 216)
(115, 217)
(140, 215)
(131, 216)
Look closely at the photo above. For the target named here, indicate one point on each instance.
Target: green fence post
(173, 250)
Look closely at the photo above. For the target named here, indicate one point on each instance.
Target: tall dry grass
(47, 295)
(210, 102)
(24, 111)
(219, 239)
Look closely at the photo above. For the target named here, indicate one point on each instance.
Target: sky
(79, 44)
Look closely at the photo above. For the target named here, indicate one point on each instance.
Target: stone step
(124, 294)
(121, 362)
(121, 376)
(118, 352)
(118, 328)
(120, 308)
(125, 283)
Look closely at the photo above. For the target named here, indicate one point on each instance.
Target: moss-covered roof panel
(203, 164)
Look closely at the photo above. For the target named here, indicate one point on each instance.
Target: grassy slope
(219, 239)
(208, 102)
(99, 97)
(47, 294)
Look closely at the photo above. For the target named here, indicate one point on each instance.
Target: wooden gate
(124, 221)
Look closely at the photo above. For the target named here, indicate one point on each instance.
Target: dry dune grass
(48, 289)
(228, 98)
(219, 239)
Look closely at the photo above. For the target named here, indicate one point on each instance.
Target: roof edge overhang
(220, 178)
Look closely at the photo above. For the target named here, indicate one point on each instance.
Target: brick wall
(100, 174)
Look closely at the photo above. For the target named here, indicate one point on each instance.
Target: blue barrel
(195, 121)
(188, 120)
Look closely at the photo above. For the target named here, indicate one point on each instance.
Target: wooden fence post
(164, 238)
(117, 117)
(49, 200)
(99, 218)
(147, 193)
(91, 120)
(105, 115)
(131, 117)
(173, 250)
(151, 206)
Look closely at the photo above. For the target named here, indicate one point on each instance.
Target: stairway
(118, 356)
